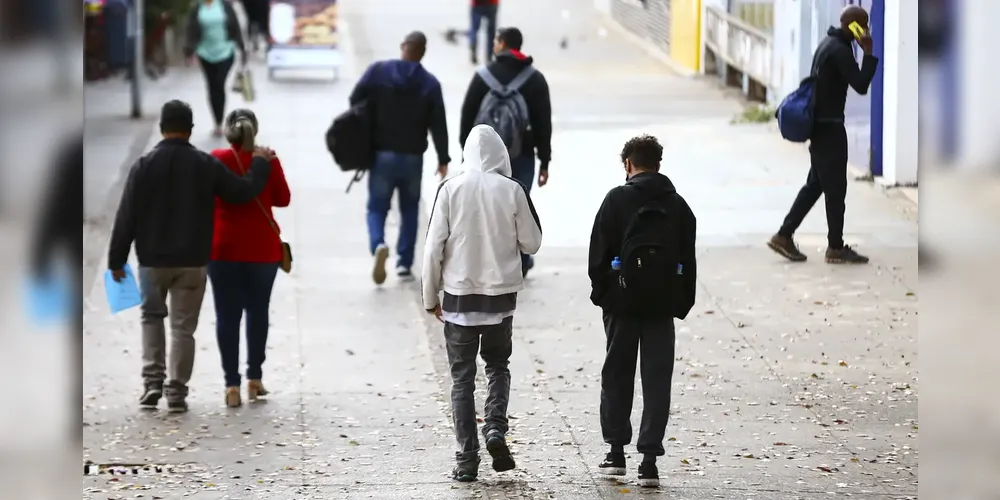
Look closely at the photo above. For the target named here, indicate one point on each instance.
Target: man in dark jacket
(633, 321)
(835, 69)
(167, 208)
(406, 102)
(509, 63)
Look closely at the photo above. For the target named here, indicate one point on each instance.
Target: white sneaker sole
(378, 273)
(649, 483)
(613, 471)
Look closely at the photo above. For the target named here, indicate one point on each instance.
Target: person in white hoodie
(481, 221)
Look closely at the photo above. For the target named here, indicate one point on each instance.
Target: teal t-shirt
(215, 45)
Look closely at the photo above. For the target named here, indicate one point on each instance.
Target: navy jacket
(406, 102)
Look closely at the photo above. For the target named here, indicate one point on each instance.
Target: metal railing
(738, 44)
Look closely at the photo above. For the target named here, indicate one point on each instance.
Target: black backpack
(650, 273)
(350, 140)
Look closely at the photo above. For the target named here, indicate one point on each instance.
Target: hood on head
(485, 151)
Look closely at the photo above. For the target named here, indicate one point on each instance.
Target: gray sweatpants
(185, 287)
(464, 343)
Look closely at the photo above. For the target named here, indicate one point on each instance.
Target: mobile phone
(857, 30)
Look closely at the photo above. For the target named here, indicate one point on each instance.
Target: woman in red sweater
(246, 252)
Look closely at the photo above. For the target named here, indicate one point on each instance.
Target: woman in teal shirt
(214, 36)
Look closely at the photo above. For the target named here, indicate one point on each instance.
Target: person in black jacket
(406, 102)
(509, 62)
(835, 69)
(631, 322)
(167, 208)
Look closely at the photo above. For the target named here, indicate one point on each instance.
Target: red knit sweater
(242, 233)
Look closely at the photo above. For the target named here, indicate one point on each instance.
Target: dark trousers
(401, 173)
(215, 79)
(652, 340)
(482, 13)
(827, 176)
(240, 287)
(464, 343)
(523, 170)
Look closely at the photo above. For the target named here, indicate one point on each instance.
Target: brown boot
(255, 389)
(785, 247)
(233, 397)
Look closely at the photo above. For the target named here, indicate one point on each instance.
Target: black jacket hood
(514, 58)
(652, 182)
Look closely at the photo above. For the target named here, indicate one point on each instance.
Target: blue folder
(124, 294)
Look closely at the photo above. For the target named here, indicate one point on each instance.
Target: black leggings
(215, 78)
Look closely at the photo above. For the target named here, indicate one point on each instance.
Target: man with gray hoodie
(481, 222)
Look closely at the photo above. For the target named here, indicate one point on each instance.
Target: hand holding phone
(862, 36)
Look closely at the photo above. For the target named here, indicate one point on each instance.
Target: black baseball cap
(176, 116)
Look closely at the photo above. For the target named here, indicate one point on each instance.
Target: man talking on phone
(835, 69)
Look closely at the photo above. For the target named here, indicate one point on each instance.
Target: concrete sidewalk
(791, 381)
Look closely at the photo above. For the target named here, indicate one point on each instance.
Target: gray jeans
(185, 287)
(464, 343)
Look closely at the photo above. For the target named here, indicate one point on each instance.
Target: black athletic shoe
(177, 406)
(150, 398)
(465, 474)
(785, 247)
(497, 446)
(649, 477)
(845, 255)
(613, 465)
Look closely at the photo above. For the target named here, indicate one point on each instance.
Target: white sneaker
(378, 272)
(404, 274)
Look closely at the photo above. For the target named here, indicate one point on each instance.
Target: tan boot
(255, 389)
(233, 397)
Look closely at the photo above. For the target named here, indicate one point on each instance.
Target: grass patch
(755, 114)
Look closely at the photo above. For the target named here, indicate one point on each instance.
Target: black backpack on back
(650, 273)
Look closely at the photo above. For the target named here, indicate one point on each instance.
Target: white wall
(791, 57)
(900, 136)
(603, 6)
(979, 108)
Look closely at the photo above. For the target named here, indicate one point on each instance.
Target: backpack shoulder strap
(521, 78)
(488, 78)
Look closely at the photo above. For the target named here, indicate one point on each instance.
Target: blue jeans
(479, 14)
(391, 172)
(523, 170)
(239, 287)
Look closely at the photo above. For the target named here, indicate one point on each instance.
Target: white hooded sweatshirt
(481, 221)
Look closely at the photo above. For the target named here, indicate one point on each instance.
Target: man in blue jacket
(406, 102)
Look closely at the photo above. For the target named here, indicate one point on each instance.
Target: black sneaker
(785, 247)
(473, 58)
(177, 406)
(465, 473)
(497, 446)
(845, 255)
(150, 398)
(649, 477)
(613, 465)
